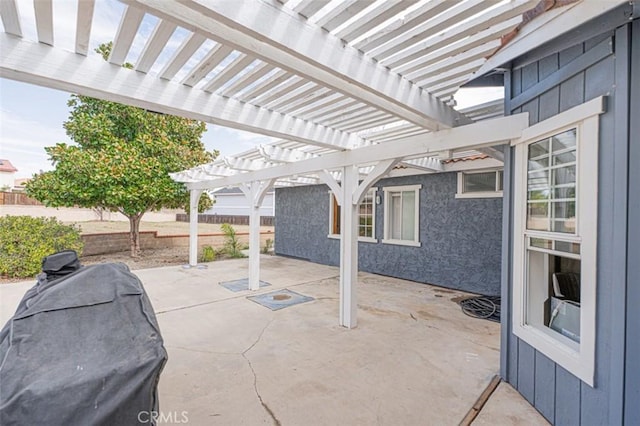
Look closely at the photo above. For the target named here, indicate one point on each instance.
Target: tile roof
(468, 158)
(6, 166)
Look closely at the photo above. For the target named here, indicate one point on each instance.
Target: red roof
(6, 166)
(469, 158)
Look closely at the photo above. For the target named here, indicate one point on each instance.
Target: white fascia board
(56, 68)
(546, 27)
(485, 133)
(264, 30)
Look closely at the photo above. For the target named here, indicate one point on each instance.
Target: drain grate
(280, 299)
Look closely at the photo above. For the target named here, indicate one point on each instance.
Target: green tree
(121, 161)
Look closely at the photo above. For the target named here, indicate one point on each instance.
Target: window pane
(395, 221)
(568, 247)
(564, 158)
(539, 149)
(564, 175)
(541, 243)
(553, 293)
(565, 192)
(500, 180)
(479, 182)
(564, 140)
(538, 216)
(408, 215)
(554, 180)
(539, 163)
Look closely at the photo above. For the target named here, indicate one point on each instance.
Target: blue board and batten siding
(543, 83)
(460, 238)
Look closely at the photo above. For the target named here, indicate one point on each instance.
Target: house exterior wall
(460, 238)
(599, 66)
(7, 179)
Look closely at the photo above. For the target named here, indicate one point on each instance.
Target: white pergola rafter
(56, 68)
(477, 135)
(255, 29)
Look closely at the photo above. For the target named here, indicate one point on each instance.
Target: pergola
(351, 88)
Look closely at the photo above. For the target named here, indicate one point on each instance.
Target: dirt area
(147, 259)
(163, 228)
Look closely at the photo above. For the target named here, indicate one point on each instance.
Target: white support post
(349, 249)
(194, 198)
(255, 193)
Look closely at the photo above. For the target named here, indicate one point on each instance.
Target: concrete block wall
(95, 244)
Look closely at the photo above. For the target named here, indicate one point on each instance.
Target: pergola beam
(261, 29)
(477, 135)
(91, 76)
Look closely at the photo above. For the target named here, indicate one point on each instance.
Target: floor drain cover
(280, 299)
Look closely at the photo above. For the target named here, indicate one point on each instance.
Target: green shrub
(268, 245)
(208, 254)
(25, 240)
(232, 246)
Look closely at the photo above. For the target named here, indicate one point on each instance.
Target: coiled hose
(483, 307)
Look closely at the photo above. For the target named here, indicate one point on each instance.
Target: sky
(31, 117)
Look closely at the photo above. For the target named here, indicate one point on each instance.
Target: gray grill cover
(84, 349)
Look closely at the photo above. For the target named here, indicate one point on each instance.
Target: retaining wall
(95, 244)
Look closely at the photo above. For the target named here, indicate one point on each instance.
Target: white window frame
(484, 194)
(387, 226)
(577, 358)
(373, 239)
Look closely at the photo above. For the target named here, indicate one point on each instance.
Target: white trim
(578, 359)
(566, 119)
(402, 243)
(388, 189)
(494, 194)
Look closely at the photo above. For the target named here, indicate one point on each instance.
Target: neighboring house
(7, 174)
(232, 202)
(437, 228)
(20, 184)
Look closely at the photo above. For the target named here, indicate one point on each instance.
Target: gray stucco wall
(460, 238)
(583, 71)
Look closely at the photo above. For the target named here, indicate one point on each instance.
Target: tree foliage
(121, 160)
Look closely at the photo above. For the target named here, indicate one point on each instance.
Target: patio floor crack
(255, 377)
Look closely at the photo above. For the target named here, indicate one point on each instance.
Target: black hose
(483, 307)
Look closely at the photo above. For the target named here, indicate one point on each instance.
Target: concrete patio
(414, 358)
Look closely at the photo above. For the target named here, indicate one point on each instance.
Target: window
(366, 217)
(555, 226)
(401, 215)
(482, 184)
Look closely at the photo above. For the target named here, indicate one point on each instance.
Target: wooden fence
(231, 220)
(17, 198)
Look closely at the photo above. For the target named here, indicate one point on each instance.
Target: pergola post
(194, 198)
(254, 193)
(349, 249)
